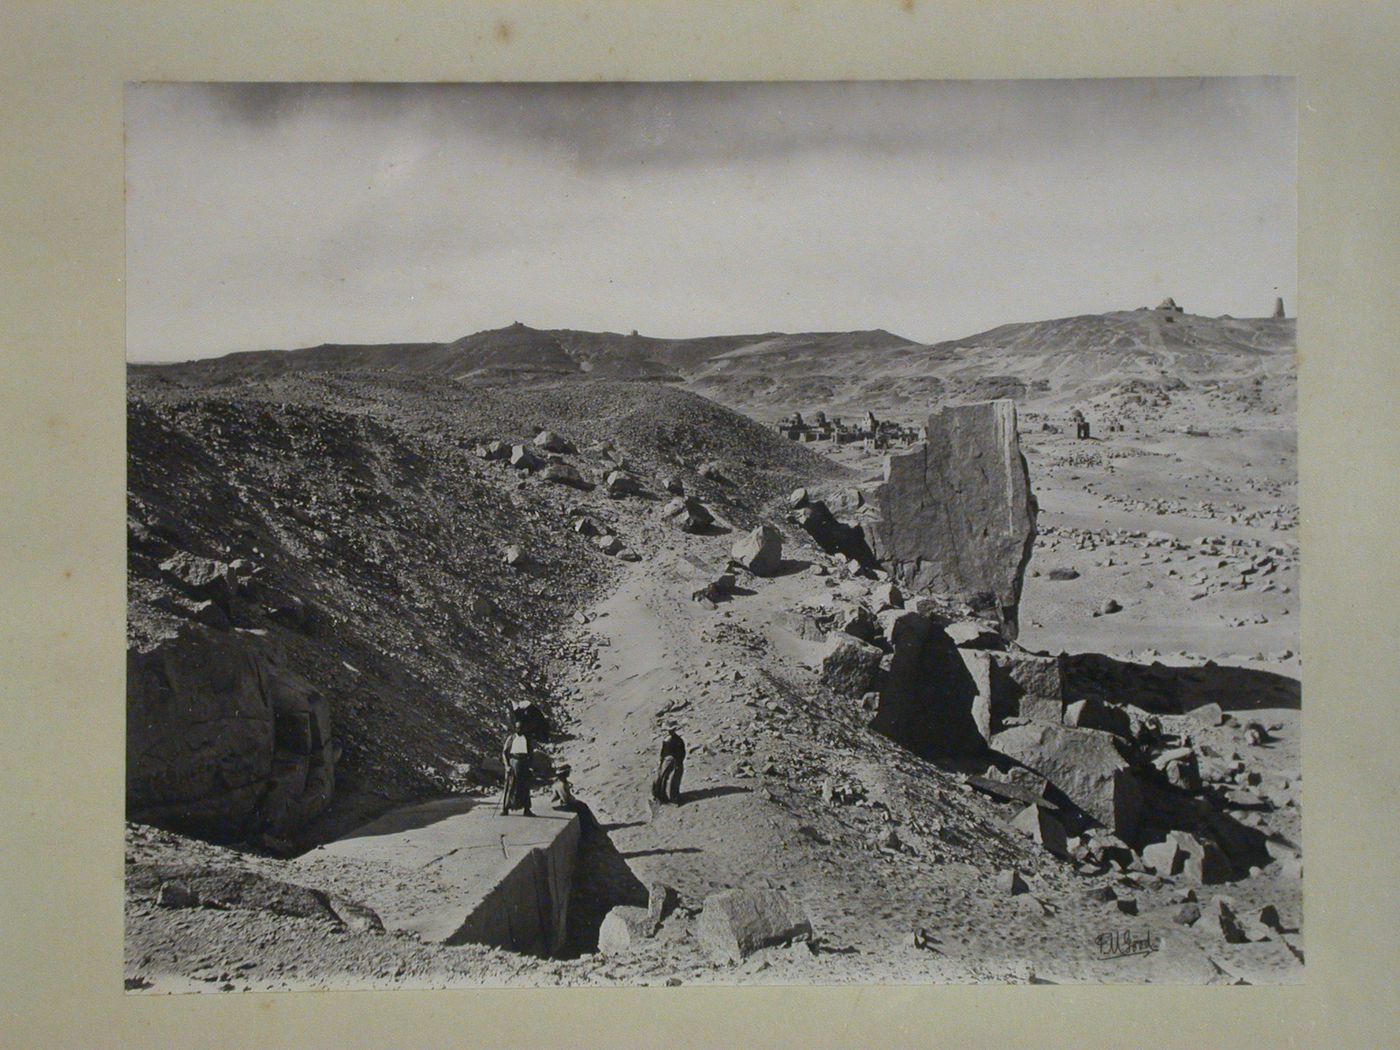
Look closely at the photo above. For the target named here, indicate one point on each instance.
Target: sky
(278, 216)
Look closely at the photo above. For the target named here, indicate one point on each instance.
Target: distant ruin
(1081, 425)
(876, 434)
(1168, 309)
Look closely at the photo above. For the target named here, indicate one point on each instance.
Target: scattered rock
(566, 474)
(522, 458)
(832, 536)
(975, 634)
(355, 916)
(859, 622)
(1181, 768)
(1010, 883)
(1268, 917)
(552, 442)
(736, 923)
(1220, 917)
(623, 928)
(202, 578)
(1013, 685)
(609, 544)
(1205, 862)
(849, 667)
(760, 551)
(176, 895)
(1095, 714)
(887, 596)
(1164, 858)
(1188, 914)
(619, 484)
(1208, 715)
(662, 899)
(514, 556)
(1085, 764)
(688, 514)
(1037, 822)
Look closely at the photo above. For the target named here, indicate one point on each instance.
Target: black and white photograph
(712, 533)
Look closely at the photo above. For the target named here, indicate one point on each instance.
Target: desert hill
(1047, 365)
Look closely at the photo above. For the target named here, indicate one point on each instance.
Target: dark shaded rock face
(927, 698)
(832, 535)
(957, 515)
(221, 743)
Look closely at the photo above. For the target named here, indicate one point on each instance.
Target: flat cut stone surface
(455, 871)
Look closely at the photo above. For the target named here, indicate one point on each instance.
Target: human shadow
(621, 825)
(791, 567)
(714, 792)
(737, 592)
(658, 852)
(1164, 689)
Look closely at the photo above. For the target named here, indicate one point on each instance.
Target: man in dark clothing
(667, 786)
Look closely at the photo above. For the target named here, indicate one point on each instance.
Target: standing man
(667, 786)
(515, 753)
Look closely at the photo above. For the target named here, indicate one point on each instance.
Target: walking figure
(667, 786)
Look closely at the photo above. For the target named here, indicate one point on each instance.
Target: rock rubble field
(340, 580)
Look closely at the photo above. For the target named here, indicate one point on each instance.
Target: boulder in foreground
(1084, 764)
(737, 923)
(623, 927)
(1013, 685)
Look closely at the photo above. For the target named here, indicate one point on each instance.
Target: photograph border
(63, 544)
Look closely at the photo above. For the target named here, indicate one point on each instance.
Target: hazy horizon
(281, 216)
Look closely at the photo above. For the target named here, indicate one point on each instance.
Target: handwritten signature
(1116, 944)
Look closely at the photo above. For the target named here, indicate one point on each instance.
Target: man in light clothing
(516, 756)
